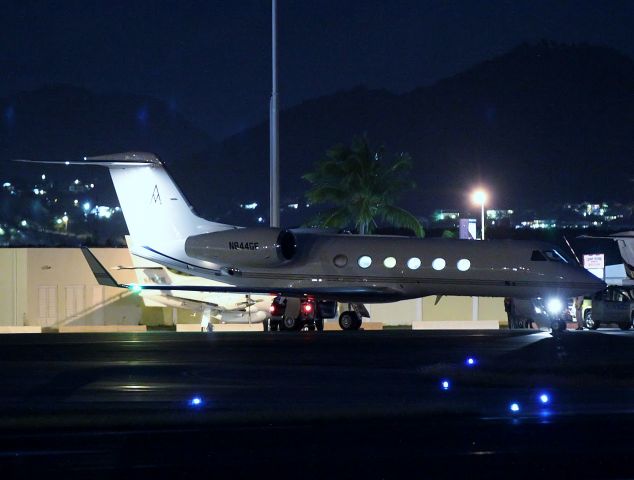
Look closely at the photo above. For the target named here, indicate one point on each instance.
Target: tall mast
(274, 160)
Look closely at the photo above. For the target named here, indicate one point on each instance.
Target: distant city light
(1, 231)
(76, 181)
(65, 219)
(103, 211)
(92, 185)
(293, 205)
(36, 191)
(75, 202)
(260, 219)
(6, 184)
(250, 206)
(544, 398)
(43, 177)
(58, 221)
(86, 206)
(23, 223)
(514, 407)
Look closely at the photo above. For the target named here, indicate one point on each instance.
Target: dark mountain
(64, 122)
(544, 123)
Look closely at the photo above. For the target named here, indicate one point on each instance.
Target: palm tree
(361, 188)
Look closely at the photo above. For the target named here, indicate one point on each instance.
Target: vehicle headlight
(554, 306)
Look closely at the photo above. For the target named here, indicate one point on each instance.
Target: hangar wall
(51, 287)
(448, 308)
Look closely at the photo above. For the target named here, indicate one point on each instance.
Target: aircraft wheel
(274, 325)
(590, 323)
(349, 320)
(558, 326)
(290, 323)
(319, 324)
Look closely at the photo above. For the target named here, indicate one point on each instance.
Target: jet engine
(249, 247)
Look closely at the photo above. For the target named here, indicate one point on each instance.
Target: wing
(360, 293)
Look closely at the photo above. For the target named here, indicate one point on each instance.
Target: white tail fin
(154, 208)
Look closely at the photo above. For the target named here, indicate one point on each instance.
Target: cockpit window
(555, 256)
(538, 256)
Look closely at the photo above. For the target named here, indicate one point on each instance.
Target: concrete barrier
(20, 329)
(102, 328)
(456, 325)
(334, 326)
(188, 327)
(238, 327)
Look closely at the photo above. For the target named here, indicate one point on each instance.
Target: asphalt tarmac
(371, 404)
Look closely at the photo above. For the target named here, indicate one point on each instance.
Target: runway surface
(343, 403)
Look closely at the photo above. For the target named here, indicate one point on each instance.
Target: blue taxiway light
(196, 402)
(544, 398)
(470, 361)
(445, 384)
(515, 407)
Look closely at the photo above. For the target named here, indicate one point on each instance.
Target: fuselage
(356, 268)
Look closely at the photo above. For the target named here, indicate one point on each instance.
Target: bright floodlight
(555, 306)
(479, 197)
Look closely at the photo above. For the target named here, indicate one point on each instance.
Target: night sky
(211, 60)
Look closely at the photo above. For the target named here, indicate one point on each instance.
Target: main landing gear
(294, 314)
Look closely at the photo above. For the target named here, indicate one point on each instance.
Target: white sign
(467, 229)
(594, 261)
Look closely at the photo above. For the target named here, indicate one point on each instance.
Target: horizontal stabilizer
(126, 159)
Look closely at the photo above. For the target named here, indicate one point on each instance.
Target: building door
(47, 305)
(74, 301)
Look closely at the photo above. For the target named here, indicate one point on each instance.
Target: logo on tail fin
(156, 196)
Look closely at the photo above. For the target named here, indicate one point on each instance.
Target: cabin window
(389, 262)
(340, 261)
(463, 264)
(364, 261)
(438, 264)
(538, 256)
(413, 263)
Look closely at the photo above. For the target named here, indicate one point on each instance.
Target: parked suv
(613, 305)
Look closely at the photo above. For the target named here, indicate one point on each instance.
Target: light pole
(480, 197)
(274, 154)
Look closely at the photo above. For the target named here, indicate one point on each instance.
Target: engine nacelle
(251, 247)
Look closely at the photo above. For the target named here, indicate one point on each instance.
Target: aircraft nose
(588, 281)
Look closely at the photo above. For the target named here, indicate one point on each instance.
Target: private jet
(313, 270)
